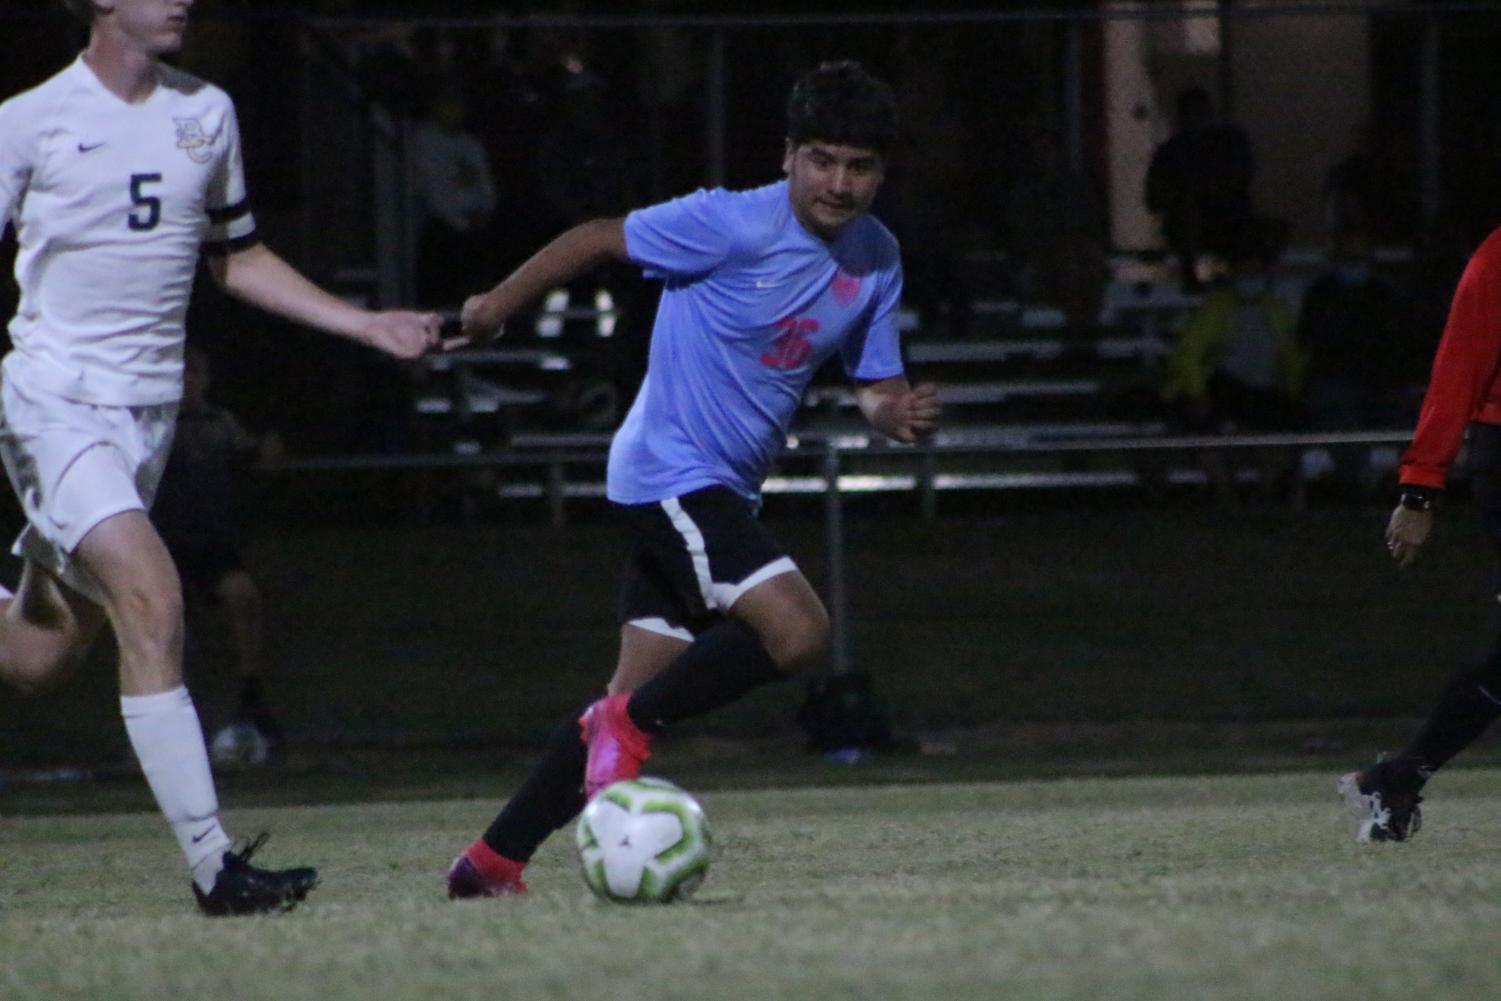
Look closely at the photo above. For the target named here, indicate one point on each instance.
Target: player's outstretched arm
(897, 410)
(261, 278)
(576, 251)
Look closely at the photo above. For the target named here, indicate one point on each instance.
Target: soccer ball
(644, 841)
(239, 745)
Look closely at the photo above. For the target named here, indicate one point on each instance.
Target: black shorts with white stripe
(693, 557)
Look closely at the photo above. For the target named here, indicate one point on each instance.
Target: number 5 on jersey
(148, 208)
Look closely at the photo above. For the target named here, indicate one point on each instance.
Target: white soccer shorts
(72, 465)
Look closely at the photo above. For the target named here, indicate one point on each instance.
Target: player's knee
(22, 678)
(802, 643)
(38, 667)
(29, 683)
(153, 614)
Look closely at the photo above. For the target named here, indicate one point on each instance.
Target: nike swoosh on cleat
(89, 148)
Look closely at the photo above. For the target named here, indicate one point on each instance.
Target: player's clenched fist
(923, 410)
(1407, 533)
(480, 321)
(404, 334)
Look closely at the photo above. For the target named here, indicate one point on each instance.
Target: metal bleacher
(1029, 404)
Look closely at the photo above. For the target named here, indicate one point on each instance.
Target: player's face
(831, 185)
(154, 26)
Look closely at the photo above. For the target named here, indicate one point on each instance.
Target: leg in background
(46, 628)
(241, 598)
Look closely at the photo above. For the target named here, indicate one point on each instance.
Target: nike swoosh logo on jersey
(89, 147)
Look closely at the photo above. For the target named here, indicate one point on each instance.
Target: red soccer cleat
(617, 746)
(482, 872)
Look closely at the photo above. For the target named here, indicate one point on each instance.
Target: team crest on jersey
(192, 140)
(846, 287)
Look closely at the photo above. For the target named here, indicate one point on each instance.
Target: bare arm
(898, 410)
(576, 251)
(261, 278)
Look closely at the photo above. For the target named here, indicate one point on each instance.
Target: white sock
(168, 742)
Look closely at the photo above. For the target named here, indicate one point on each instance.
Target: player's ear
(788, 153)
(83, 10)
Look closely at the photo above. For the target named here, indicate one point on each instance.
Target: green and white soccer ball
(644, 841)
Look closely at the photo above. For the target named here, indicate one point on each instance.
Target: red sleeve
(1463, 369)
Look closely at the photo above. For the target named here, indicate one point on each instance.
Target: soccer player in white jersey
(115, 172)
(762, 287)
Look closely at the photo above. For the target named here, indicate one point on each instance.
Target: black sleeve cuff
(223, 248)
(1418, 498)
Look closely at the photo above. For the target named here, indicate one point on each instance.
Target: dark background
(393, 620)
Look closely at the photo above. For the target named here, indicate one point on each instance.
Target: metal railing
(554, 454)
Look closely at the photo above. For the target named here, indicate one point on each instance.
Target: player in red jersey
(1464, 391)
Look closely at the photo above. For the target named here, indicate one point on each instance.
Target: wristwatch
(1416, 498)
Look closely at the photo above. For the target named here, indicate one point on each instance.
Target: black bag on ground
(841, 712)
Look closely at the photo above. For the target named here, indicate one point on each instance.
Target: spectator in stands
(389, 69)
(670, 70)
(1199, 181)
(456, 189)
(925, 214)
(1354, 324)
(499, 78)
(1368, 195)
(1463, 393)
(1057, 232)
(1237, 365)
(195, 514)
(585, 165)
(1471, 197)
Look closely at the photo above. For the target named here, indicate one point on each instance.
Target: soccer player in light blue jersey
(761, 287)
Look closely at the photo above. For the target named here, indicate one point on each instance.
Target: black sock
(551, 796)
(721, 665)
(1465, 710)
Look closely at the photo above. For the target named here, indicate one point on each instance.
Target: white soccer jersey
(112, 202)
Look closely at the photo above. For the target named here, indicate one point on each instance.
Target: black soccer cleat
(242, 888)
(1385, 799)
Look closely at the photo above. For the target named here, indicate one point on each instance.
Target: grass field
(1133, 720)
(1210, 887)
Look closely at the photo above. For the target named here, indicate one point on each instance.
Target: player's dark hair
(83, 10)
(841, 103)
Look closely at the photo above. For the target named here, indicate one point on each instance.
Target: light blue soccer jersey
(753, 304)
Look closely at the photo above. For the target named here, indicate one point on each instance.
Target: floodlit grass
(1204, 888)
